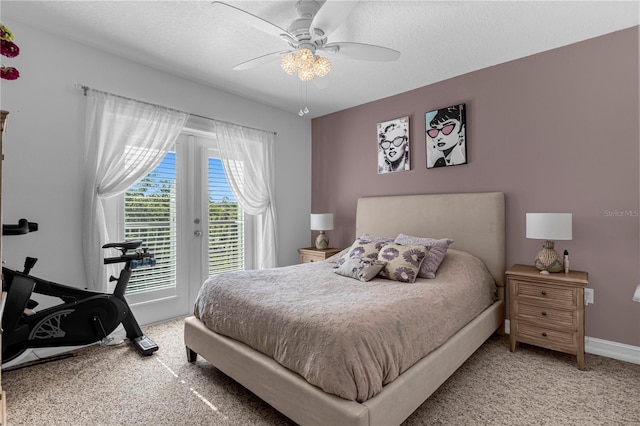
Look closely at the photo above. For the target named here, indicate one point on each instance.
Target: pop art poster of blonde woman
(393, 146)
(446, 136)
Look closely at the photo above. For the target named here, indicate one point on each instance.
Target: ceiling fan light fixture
(304, 58)
(288, 63)
(306, 64)
(306, 74)
(322, 66)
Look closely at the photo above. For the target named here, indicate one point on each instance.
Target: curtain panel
(124, 141)
(248, 162)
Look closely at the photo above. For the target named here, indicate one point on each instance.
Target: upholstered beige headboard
(475, 221)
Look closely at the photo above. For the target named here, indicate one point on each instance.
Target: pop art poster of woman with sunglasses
(446, 141)
(393, 146)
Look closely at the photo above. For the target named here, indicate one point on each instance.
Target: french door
(187, 215)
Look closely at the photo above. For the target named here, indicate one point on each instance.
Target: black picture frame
(445, 136)
(394, 146)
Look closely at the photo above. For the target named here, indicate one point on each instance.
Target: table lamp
(549, 227)
(322, 222)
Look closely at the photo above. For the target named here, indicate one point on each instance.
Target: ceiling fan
(306, 36)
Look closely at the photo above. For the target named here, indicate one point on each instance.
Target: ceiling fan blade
(250, 19)
(362, 52)
(260, 60)
(330, 16)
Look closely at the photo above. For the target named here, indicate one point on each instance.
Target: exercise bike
(84, 317)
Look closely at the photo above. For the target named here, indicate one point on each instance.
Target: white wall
(43, 145)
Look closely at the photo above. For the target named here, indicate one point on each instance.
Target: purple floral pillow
(366, 246)
(403, 262)
(437, 249)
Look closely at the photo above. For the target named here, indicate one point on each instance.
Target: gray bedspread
(347, 337)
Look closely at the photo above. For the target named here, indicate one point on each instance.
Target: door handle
(197, 233)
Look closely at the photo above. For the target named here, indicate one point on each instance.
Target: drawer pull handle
(544, 314)
(544, 334)
(544, 293)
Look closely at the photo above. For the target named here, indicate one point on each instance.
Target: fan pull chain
(305, 110)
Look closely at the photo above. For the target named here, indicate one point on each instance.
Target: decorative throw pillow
(369, 237)
(336, 257)
(362, 269)
(437, 250)
(403, 262)
(365, 246)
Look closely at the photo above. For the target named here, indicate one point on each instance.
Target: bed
(475, 221)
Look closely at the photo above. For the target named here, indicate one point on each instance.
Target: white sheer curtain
(247, 159)
(124, 140)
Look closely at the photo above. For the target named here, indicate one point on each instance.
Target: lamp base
(322, 242)
(548, 259)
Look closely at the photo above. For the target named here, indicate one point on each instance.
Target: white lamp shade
(321, 221)
(549, 226)
(636, 295)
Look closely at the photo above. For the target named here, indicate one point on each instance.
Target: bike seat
(127, 245)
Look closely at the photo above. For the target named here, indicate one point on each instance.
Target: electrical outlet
(588, 296)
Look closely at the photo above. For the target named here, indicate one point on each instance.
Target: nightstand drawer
(546, 295)
(545, 337)
(308, 258)
(546, 317)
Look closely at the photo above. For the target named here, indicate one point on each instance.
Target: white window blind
(226, 223)
(150, 216)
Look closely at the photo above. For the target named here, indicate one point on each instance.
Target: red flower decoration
(9, 73)
(10, 49)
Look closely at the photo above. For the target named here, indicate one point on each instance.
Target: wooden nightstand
(547, 310)
(312, 254)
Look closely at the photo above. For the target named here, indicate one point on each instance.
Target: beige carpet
(116, 386)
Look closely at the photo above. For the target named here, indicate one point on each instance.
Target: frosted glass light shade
(288, 63)
(322, 66)
(306, 74)
(321, 221)
(549, 226)
(636, 295)
(305, 58)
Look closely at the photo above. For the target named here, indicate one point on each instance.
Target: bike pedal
(145, 345)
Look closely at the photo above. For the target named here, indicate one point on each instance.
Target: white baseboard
(611, 349)
(595, 346)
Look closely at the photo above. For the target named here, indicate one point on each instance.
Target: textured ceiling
(437, 40)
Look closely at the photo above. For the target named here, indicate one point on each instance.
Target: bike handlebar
(23, 227)
(131, 257)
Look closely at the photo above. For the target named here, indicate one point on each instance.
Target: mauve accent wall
(556, 132)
